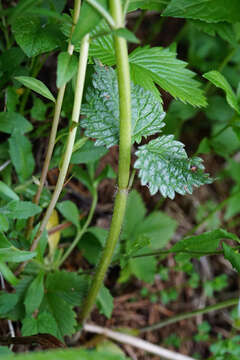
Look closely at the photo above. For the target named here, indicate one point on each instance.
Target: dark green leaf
(102, 110)
(66, 68)
(7, 193)
(7, 302)
(20, 149)
(10, 121)
(88, 153)
(21, 209)
(160, 66)
(34, 294)
(157, 5)
(36, 85)
(165, 167)
(29, 326)
(33, 38)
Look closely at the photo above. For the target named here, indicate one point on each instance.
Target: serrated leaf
(21, 209)
(69, 286)
(62, 313)
(34, 294)
(20, 150)
(105, 302)
(88, 19)
(232, 256)
(206, 10)
(7, 193)
(165, 167)
(7, 302)
(70, 211)
(46, 324)
(102, 110)
(161, 66)
(29, 326)
(216, 78)
(206, 242)
(66, 68)
(10, 121)
(35, 38)
(102, 47)
(36, 85)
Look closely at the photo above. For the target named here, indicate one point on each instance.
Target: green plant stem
(100, 9)
(124, 161)
(56, 118)
(71, 136)
(82, 231)
(188, 315)
(217, 208)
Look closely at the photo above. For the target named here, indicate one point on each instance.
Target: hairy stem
(71, 136)
(188, 315)
(124, 160)
(56, 117)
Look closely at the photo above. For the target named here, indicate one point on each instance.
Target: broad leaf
(165, 167)
(88, 19)
(102, 110)
(232, 256)
(36, 85)
(34, 294)
(160, 66)
(157, 5)
(70, 211)
(206, 10)
(220, 81)
(66, 68)
(88, 153)
(13, 254)
(102, 47)
(10, 121)
(20, 149)
(144, 269)
(33, 38)
(7, 302)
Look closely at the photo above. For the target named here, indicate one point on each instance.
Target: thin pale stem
(56, 118)
(188, 315)
(124, 160)
(71, 136)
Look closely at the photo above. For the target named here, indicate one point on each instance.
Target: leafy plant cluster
(44, 297)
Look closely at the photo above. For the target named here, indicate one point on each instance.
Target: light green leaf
(88, 19)
(135, 213)
(36, 85)
(7, 273)
(105, 302)
(20, 150)
(220, 81)
(70, 211)
(161, 66)
(10, 121)
(165, 167)
(46, 324)
(12, 254)
(34, 294)
(157, 5)
(34, 37)
(206, 10)
(102, 110)
(144, 268)
(232, 256)
(7, 193)
(73, 354)
(127, 34)
(102, 47)
(4, 224)
(66, 68)
(20, 209)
